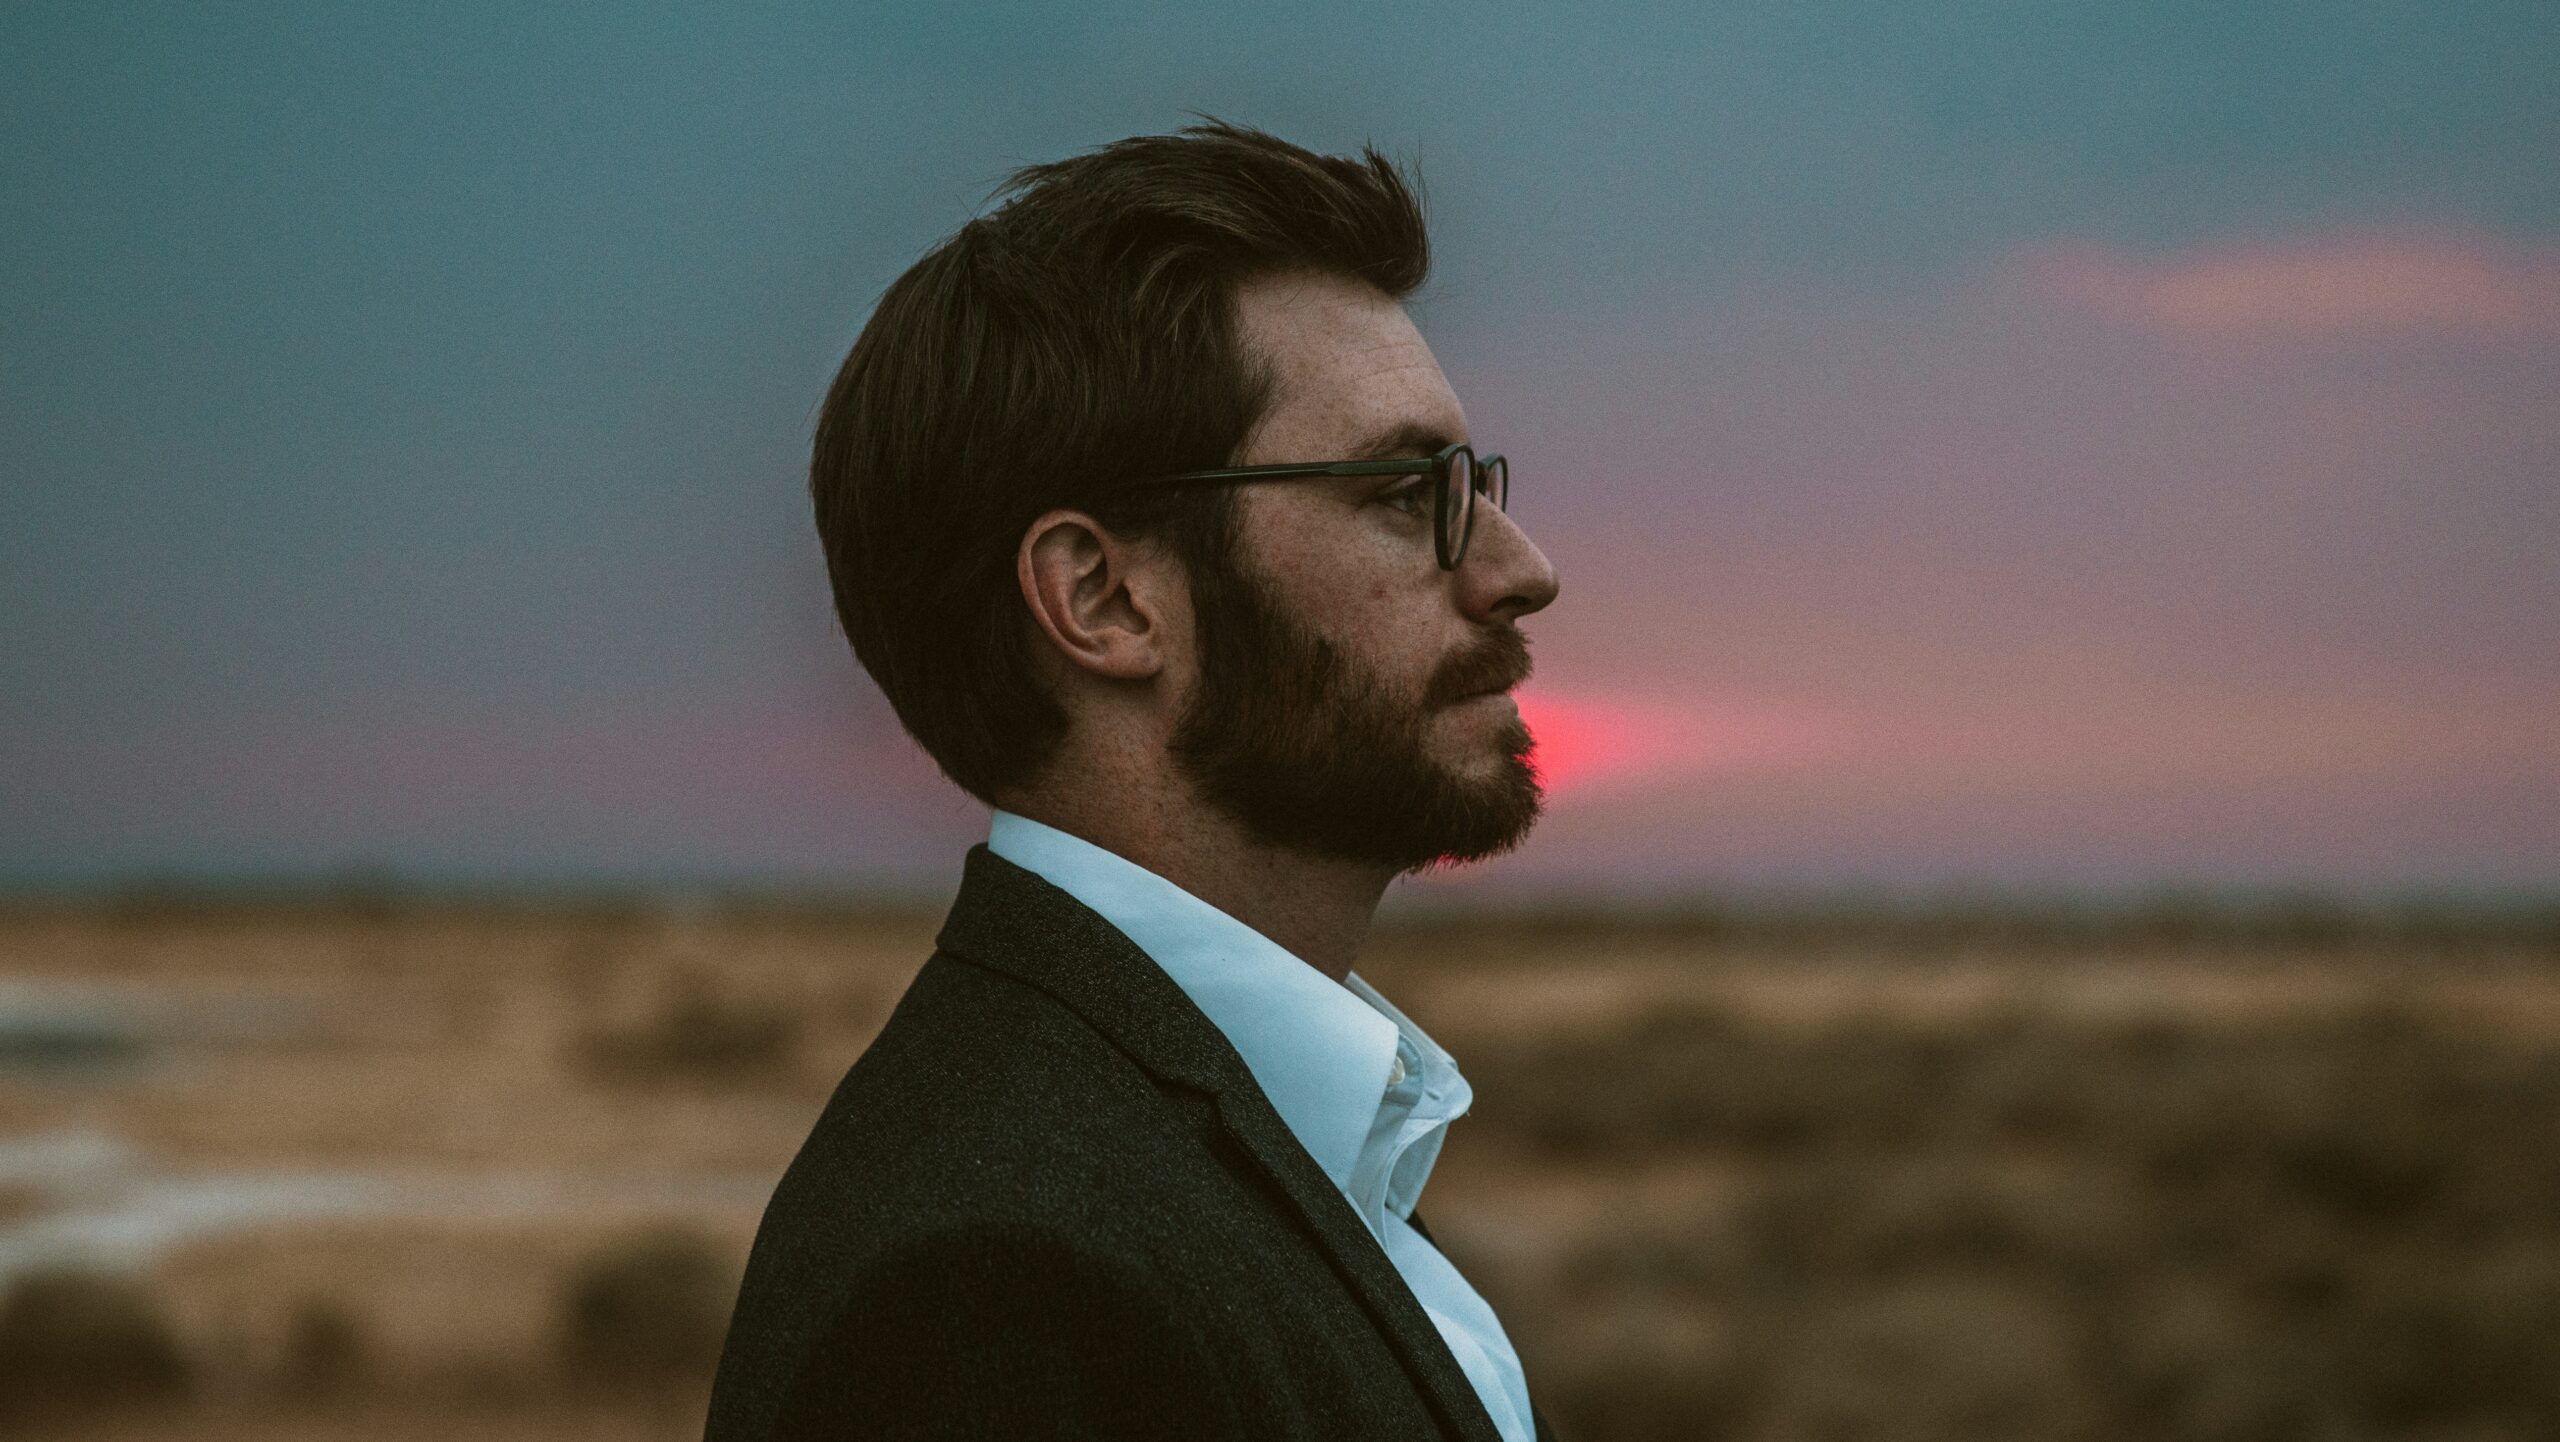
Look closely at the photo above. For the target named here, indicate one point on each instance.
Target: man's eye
(1413, 498)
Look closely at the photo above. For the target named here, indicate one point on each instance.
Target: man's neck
(1317, 910)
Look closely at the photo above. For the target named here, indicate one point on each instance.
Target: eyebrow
(1412, 438)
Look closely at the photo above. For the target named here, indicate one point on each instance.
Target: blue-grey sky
(2014, 443)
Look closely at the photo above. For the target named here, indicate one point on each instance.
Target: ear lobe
(1092, 596)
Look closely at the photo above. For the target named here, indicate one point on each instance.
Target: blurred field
(361, 1168)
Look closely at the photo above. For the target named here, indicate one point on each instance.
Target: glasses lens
(1496, 481)
(1457, 505)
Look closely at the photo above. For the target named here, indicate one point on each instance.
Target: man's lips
(1482, 691)
(1492, 669)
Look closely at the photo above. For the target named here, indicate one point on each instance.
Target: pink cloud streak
(2334, 286)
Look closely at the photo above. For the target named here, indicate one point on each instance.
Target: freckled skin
(1346, 364)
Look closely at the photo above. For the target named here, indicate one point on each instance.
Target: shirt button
(1395, 1074)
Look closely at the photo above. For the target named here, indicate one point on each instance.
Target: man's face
(1347, 701)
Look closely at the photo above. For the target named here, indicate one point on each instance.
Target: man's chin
(1490, 818)
(1464, 818)
(1476, 850)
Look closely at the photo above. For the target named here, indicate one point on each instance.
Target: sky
(1983, 445)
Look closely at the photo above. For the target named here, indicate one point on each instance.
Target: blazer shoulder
(968, 1047)
(983, 1098)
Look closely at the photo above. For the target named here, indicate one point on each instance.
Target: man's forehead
(1349, 372)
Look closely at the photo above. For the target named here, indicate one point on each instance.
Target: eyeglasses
(1458, 474)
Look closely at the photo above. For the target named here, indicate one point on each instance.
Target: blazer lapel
(1009, 920)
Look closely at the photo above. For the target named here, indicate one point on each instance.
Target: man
(1151, 513)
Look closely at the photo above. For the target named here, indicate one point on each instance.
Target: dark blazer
(1050, 1201)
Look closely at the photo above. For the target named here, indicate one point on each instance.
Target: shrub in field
(1642, 1369)
(74, 1340)
(653, 1307)
(1697, 1077)
(325, 1352)
(1881, 1219)
(697, 1034)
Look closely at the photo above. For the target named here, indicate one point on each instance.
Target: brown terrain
(372, 1169)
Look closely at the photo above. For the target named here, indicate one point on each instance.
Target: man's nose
(1504, 576)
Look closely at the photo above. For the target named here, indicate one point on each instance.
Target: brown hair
(1079, 337)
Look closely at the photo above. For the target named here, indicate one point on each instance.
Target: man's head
(1167, 304)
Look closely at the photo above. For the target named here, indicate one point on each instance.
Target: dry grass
(1742, 1175)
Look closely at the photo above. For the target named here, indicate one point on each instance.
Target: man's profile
(1153, 516)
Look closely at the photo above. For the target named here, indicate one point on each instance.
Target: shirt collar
(1322, 1052)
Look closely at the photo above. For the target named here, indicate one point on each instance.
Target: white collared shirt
(1361, 1087)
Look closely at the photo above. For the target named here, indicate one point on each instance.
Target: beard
(1308, 754)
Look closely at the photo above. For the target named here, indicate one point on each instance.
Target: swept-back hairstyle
(1078, 337)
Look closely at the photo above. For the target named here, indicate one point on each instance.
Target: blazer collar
(1008, 920)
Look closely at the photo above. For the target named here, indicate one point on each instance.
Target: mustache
(1499, 663)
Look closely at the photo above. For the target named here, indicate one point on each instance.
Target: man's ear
(1096, 596)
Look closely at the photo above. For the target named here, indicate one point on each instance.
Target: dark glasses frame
(1489, 476)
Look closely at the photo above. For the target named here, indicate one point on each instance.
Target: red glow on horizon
(1586, 743)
